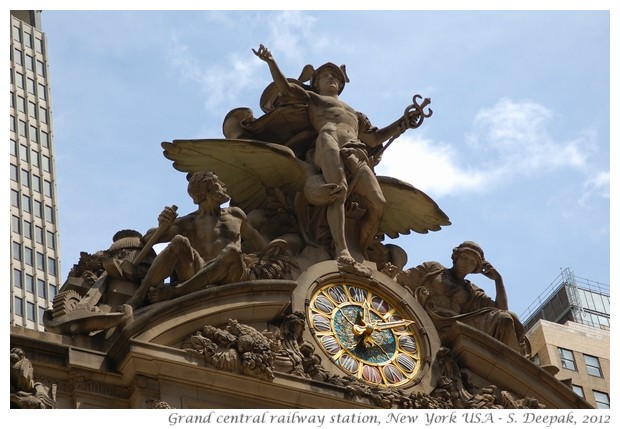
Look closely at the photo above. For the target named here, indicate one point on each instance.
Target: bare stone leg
(166, 262)
(328, 160)
(227, 267)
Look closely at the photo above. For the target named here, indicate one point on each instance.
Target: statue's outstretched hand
(263, 53)
(415, 114)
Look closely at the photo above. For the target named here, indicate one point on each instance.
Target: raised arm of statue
(412, 118)
(373, 137)
(501, 298)
(278, 77)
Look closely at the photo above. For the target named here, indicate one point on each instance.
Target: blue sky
(517, 152)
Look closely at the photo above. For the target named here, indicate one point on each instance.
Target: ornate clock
(366, 334)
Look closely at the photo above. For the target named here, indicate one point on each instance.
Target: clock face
(365, 334)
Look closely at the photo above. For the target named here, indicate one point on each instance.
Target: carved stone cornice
(82, 381)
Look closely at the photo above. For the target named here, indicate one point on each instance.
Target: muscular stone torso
(212, 233)
(326, 110)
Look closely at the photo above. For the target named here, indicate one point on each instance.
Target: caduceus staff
(414, 116)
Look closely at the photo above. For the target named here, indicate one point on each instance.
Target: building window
(51, 242)
(45, 139)
(578, 390)
(29, 62)
(53, 291)
(40, 68)
(36, 183)
(47, 188)
(38, 234)
(28, 229)
(41, 311)
(28, 256)
(49, 214)
(38, 209)
(30, 311)
(23, 153)
(14, 198)
(16, 224)
(13, 147)
(26, 203)
(51, 266)
(41, 288)
(47, 163)
(29, 283)
(568, 359)
(14, 175)
(35, 158)
(43, 114)
(593, 366)
(17, 251)
(22, 128)
(30, 85)
(38, 45)
(21, 104)
(18, 57)
(18, 280)
(32, 110)
(33, 134)
(17, 35)
(19, 306)
(25, 178)
(19, 80)
(40, 261)
(602, 399)
(28, 40)
(42, 92)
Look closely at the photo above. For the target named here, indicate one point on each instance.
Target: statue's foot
(161, 293)
(347, 264)
(345, 258)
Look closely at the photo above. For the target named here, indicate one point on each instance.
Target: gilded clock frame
(323, 276)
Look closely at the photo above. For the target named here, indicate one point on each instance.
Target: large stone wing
(408, 209)
(246, 167)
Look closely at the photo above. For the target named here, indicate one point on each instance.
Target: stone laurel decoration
(25, 392)
(274, 264)
(236, 348)
(159, 405)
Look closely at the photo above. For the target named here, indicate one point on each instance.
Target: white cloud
(221, 83)
(286, 31)
(515, 136)
(431, 167)
(291, 35)
(509, 140)
(597, 184)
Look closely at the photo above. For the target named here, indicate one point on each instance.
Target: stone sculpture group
(301, 189)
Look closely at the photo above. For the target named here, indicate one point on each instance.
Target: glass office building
(34, 249)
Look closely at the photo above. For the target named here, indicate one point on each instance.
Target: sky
(516, 153)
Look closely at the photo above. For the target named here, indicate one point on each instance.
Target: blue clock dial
(365, 334)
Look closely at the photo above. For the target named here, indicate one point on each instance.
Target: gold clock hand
(394, 324)
(359, 330)
(366, 313)
(348, 320)
(369, 341)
